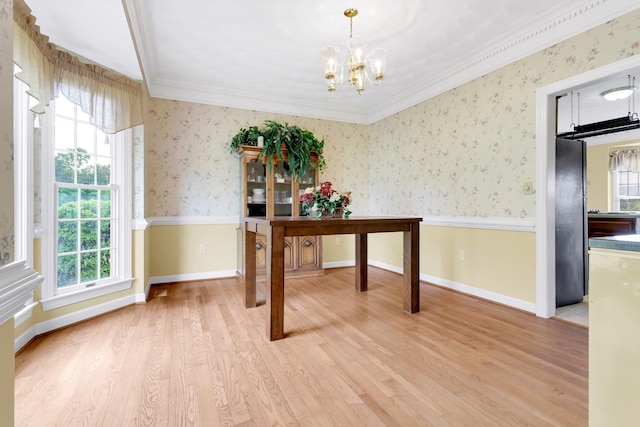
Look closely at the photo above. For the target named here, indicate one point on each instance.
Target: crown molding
(528, 41)
(182, 91)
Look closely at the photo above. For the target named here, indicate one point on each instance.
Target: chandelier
(360, 64)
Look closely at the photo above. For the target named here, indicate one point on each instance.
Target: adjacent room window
(626, 190)
(89, 205)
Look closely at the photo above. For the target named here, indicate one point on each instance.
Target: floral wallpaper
(138, 172)
(7, 245)
(466, 152)
(191, 172)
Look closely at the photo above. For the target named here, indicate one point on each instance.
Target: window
(88, 205)
(626, 186)
(23, 185)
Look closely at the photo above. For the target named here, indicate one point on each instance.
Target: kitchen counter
(626, 242)
(614, 342)
(615, 215)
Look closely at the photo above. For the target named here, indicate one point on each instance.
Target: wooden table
(277, 228)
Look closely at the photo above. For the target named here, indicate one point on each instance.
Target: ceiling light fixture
(619, 93)
(360, 64)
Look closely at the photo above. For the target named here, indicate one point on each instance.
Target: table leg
(362, 279)
(275, 283)
(411, 276)
(249, 268)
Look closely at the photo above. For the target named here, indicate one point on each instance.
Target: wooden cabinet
(268, 189)
(602, 225)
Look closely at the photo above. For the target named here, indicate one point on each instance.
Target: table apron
(326, 230)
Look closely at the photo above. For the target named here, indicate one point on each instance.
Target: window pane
(103, 144)
(105, 234)
(67, 236)
(87, 137)
(89, 204)
(88, 266)
(64, 134)
(88, 235)
(67, 270)
(64, 107)
(86, 169)
(81, 115)
(65, 166)
(67, 203)
(103, 171)
(105, 264)
(105, 205)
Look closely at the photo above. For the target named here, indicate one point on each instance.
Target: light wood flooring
(193, 355)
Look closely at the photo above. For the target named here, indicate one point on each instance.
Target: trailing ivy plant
(298, 142)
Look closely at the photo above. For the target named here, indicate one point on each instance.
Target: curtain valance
(630, 159)
(113, 101)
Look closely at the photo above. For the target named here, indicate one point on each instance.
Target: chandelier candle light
(360, 64)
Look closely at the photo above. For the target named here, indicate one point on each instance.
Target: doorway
(545, 172)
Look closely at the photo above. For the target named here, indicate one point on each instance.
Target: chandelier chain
(350, 28)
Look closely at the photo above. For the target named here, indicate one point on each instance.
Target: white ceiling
(264, 55)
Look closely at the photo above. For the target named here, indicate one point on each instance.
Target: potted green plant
(245, 136)
(299, 144)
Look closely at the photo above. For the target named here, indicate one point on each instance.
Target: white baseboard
(24, 338)
(144, 296)
(338, 264)
(466, 289)
(70, 319)
(191, 276)
(481, 293)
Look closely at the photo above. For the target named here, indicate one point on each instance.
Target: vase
(337, 213)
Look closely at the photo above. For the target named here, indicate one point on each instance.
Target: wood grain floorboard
(197, 357)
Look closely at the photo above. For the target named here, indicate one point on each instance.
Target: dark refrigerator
(571, 222)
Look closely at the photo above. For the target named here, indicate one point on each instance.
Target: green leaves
(298, 142)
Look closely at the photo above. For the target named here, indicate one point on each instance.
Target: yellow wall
(614, 341)
(141, 246)
(494, 260)
(175, 249)
(339, 248)
(598, 176)
(7, 373)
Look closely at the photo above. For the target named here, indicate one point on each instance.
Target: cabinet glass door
(256, 189)
(282, 184)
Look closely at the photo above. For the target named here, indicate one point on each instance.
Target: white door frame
(545, 176)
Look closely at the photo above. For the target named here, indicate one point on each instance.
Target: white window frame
(23, 173)
(121, 207)
(23, 189)
(615, 181)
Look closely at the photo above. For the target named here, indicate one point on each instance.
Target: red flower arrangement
(324, 198)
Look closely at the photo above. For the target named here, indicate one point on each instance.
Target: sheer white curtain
(113, 101)
(630, 159)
